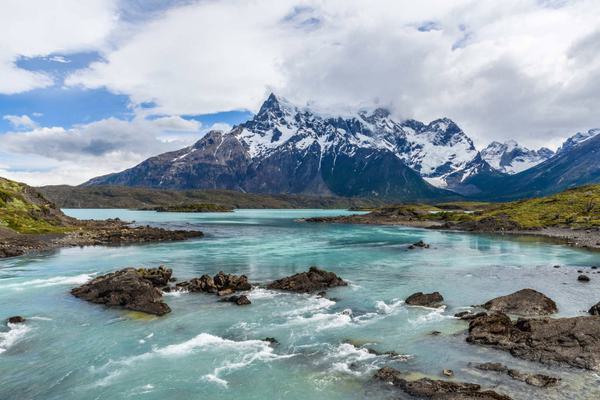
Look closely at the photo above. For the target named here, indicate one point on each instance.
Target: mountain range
(289, 149)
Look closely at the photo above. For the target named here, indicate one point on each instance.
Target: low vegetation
(573, 208)
(26, 211)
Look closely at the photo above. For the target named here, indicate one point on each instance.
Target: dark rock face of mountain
(578, 165)
(284, 149)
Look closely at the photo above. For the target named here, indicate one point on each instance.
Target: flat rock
(538, 380)
(427, 388)
(567, 341)
(127, 288)
(526, 302)
(307, 282)
(434, 299)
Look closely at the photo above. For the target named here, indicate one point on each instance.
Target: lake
(71, 349)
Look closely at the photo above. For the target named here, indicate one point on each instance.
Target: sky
(96, 86)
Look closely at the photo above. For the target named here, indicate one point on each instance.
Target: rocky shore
(112, 232)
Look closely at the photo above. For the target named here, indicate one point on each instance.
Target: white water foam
(315, 303)
(15, 333)
(323, 321)
(245, 353)
(383, 308)
(57, 280)
(260, 293)
(436, 314)
(175, 293)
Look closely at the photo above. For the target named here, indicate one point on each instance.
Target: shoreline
(588, 239)
(112, 232)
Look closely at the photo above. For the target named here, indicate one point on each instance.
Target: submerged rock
(421, 244)
(271, 340)
(306, 282)
(17, 319)
(526, 302)
(436, 389)
(434, 299)
(570, 341)
(222, 284)
(128, 288)
(539, 380)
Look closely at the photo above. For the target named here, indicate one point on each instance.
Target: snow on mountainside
(435, 150)
(511, 158)
(574, 140)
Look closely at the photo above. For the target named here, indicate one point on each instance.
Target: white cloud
(20, 121)
(33, 28)
(54, 155)
(526, 69)
(176, 123)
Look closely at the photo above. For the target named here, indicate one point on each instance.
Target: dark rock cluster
(130, 288)
(221, 284)
(308, 282)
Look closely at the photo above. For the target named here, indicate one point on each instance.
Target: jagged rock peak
(510, 157)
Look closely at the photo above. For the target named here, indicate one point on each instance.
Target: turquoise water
(70, 349)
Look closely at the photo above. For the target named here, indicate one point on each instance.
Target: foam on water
(436, 314)
(260, 293)
(244, 352)
(383, 308)
(15, 333)
(57, 280)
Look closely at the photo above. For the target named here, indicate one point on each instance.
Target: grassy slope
(573, 208)
(128, 197)
(24, 210)
(576, 208)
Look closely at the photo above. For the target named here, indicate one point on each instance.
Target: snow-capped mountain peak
(579, 137)
(434, 150)
(511, 158)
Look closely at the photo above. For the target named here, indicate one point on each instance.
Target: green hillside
(24, 210)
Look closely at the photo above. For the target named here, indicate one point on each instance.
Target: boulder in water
(307, 282)
(434, 299)
(526, 302)
(17, 319)
(127, 288)
(583, 278)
